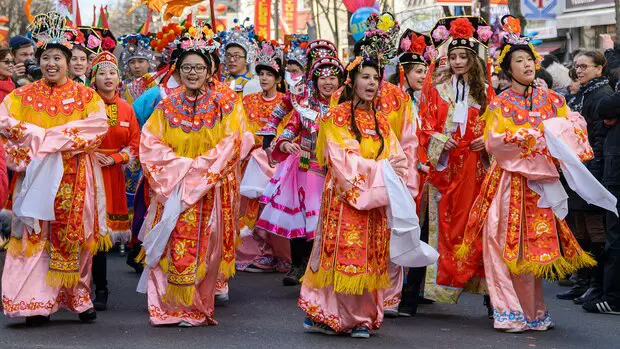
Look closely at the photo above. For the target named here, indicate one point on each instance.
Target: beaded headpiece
(102, 60)
(467, 32)
(416, 48)
(328, 66)
(197, 38)
(269, 55)
(97, 40)
(514, 41)
(241, 35)
(380, 42)
(135, 46)
(296, 52)
(320, 49)
(51, 29)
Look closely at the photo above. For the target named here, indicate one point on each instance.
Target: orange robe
(121, 143)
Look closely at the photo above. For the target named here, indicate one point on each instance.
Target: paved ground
(262, 314)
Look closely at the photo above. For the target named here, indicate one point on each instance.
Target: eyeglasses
(199, 69)
(7, 62)
(234, 57)
(583, 66)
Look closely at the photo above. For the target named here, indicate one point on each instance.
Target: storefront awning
(586, 18)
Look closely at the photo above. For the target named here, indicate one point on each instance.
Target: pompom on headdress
(380, 42)
(467, 32)
(296, 52)
(242, 35)
(269, 56)
(328, 66)
(135, 46)
(513, 41)
(51, 30)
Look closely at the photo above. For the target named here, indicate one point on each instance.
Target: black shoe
(590, 295)
(101, 300)
(575, 292)
(487, 303)
(293, 276)
(422, 300)
(37, 320)
(568, 282)
(88, 316)
(601, 307)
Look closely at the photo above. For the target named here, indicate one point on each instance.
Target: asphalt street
(262, 313)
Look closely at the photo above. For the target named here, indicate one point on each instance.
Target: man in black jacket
(609, 303)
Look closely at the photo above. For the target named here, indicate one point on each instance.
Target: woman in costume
(51, 128)
(260, 251)
(293, 198)
(118, 148)
(342, 290)
(530, 132)
(190, 151)
(452, 138)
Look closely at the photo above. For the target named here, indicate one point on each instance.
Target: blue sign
(358, 22)
(539, 9)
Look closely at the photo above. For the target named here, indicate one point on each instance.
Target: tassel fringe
(62, 279)
(163, 264)
(558, 269)
(227, 269)
(15, 247)
(180, 295)
(101, 244)
(141, 257)
(353, 285)
(462, 251)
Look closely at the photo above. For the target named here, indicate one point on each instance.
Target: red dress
(121, 143)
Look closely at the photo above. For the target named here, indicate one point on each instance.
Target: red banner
(262, 18)
(289, 14)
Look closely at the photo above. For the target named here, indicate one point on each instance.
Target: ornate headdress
(165, 41)
(269, 56)
(50, 30)
(320, 49)
(135, 46)
(380, 42)
(466, 32)
(97, 39)
(328, 66)
(242, 35)
(416, 48)
(296, 52)
(103, 59)
(513, 41)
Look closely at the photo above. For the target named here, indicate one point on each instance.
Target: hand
(399, 164)
(290, 148)
(19, 69)
(270, 160)
(610, 122)
(450, 144)
(104, 160)
(477, 144)
(541, 83)
(606, 42)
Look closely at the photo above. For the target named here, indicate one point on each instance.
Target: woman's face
(327, 85)
(416, 76)
(586, 69)
(79, 63)
(6, 66)
(194, 72)
(267, 80)
(523, 67)
(366, 84)
(107, 79)
(53, 64)
(459, 61)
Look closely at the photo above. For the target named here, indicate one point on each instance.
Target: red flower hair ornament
(461, 28)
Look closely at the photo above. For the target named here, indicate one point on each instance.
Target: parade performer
(260, 251)
(530, 132)
(342, 289)
(51, 128)
(97, 40)
(190, 149)
(295, 58)
(118, 148)
(238, 55)
(452, 137)
(293, 197)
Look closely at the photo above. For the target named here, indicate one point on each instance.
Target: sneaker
(512, 330)
(101, 300)
(88, 316)
(37, 320)
(221, 299)
(254, 269)
(293, 276)
(601, 307)
(318, 327)
(360, 332)
(390, 312)
(185, 324)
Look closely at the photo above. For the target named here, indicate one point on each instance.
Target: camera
(33, 69)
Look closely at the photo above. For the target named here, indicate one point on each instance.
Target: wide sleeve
(290, 132)
(131, 150)
(432, 138)
(409, 143)
(276, 117)
(4, 180)
(145, 104)
(22, 140)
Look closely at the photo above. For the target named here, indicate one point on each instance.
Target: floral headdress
(164, 41)
(51, 30)
(296, 52)
(97, 40)
(514, 41)
(328, 66)
(135, 46)
(269, 56)
(466, 32)
(416, 48)
(380, 42)
(197, 37)
(242, 35)
(320, 49)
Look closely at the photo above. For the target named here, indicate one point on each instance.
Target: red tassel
(401, 77)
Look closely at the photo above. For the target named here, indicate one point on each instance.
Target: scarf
(576, 103)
